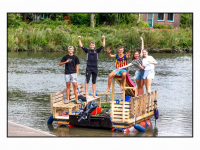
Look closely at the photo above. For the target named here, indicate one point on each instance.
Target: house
(172, 19)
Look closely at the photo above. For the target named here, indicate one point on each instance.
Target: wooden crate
(57, 101)
(140, 108)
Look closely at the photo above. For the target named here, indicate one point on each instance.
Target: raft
(123, 114)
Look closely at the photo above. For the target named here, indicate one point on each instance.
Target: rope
(118, 129)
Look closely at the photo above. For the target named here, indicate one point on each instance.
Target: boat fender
(126, 130)
(146, 123)
(50, 120)
(132, 129)
(156, 113)
(139, 127)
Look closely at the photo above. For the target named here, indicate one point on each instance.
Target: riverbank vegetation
(49, 35)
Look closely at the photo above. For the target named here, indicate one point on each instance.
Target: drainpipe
(138, 18)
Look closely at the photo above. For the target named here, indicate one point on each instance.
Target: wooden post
(144, 104)
(112, 99)
(107, 98)
(51, 103)
(113, 89)
(123, 106)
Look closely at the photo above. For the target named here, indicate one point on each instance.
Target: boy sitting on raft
(92, 64)
(121, 60)
(71, 71)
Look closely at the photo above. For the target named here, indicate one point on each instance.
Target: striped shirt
(136, 63)
(120, 61)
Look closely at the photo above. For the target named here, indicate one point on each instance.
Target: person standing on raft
(121, 60)
(92, 64)
(137, 63)
(149, 73)
(71, 71)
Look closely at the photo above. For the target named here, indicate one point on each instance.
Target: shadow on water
(33, 76)
(86, 132)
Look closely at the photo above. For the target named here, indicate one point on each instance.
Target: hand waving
(108, 50)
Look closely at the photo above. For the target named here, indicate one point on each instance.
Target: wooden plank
(51, 103)
(120, 117)
(140, 105)
(145, 115)
(144, 104)
(120, 109)
(107, 98)
(108, 93)
(127, 88)
(123, 99)
(113, 89)
(132, 107)
(126, 113)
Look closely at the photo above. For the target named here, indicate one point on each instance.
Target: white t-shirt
(146, 63)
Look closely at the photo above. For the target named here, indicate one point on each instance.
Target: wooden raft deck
(57, 101)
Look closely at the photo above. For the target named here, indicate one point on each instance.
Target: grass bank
(48, 37)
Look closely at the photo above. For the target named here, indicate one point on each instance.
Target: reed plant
(57, 36)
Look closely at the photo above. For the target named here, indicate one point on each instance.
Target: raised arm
(79, 40)
(142, 45)
(104, 43)
(109, 53)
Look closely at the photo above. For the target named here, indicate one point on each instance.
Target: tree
(92, 20)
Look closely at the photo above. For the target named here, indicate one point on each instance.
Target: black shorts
(91, 70)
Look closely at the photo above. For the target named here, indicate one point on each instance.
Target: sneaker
(66, 101)
(78, 102)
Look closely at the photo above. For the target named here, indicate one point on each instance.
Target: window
(161, 16)
(170, 17)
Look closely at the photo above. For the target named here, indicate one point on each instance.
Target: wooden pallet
(57, 101)
(140, 107)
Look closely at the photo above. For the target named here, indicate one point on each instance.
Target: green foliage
(162, 26)
(80, 19)
(186, 20)
(14, 20)
(142, 24)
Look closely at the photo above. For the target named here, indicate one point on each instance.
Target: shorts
(119, 72)
(91, 70)
(149, 74)
(139, 74)
(71, 77)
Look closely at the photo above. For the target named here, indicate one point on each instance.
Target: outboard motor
(90, 107)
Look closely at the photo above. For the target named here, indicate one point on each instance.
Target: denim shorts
(139, 74)
(119, 72)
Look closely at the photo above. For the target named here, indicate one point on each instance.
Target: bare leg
(68, 89)
(75, 90)
(142, 87)
(86, 90)
(140, 84)
(123, 79)
(112, 74)
(94, 90)
(148, 85)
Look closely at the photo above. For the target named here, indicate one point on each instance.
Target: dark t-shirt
(70, 67)
(92, 56)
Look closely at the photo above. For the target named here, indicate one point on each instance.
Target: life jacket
(120, 61)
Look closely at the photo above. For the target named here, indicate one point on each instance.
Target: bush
(162, 26)
(142, 24)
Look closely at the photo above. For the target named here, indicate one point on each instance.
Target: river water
(32, 76)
